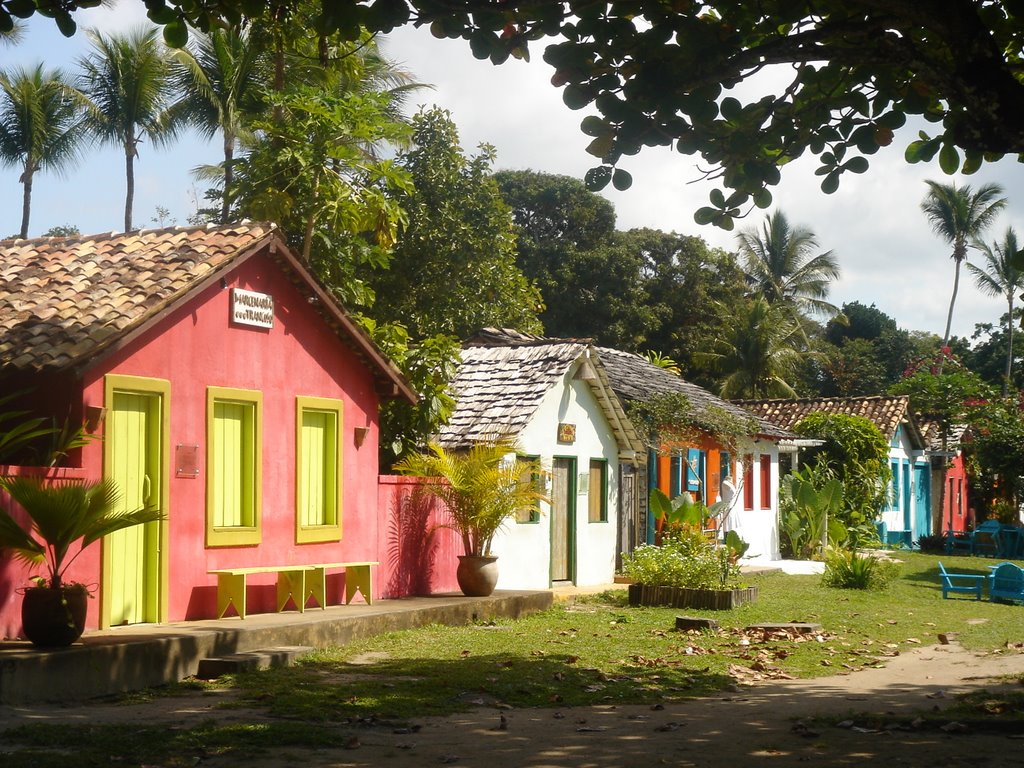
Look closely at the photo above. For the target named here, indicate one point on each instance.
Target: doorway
(563, 518)
(135, 457)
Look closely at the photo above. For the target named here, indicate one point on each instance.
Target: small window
(766, 481)
(676, 482)
(895, 500)
(317, 470)
(598, 495)
(233, 466)
(748, 482)
(530, 474)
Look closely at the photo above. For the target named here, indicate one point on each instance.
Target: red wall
(195, 347)
(955, 500)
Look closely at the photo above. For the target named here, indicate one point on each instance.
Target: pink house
(224, 385)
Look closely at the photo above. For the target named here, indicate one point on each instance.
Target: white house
(553, 397)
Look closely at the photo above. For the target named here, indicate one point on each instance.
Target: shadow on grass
(407, 688)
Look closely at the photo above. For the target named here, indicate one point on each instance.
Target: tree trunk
(129, 172)
(949, 316)
(229, 178)
(1009, 349)
(26, 199)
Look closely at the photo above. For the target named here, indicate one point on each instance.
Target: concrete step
(251, 661)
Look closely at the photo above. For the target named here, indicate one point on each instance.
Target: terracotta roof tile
(60, 298)
(885, 412)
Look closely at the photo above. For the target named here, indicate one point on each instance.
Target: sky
(884, 245)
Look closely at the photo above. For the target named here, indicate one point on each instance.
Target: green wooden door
(133, 430)
(563, 514)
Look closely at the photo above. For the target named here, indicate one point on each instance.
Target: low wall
(419, 555)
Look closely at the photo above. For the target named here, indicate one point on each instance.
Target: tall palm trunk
(229, 177)
(26, 197)
(1009, 346)
(129, 172)
(952, 303)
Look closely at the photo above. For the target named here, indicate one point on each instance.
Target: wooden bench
(961, 583)
(294, 582)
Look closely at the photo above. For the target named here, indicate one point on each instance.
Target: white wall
(758, 527)
(524, 549)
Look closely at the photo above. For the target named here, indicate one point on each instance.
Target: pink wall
(418, 556)
(13, 574)
(195, 347)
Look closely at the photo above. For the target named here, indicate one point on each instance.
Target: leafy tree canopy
(849, 74)
(857, 454)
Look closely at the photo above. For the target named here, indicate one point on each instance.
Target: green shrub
(935, 543)
(681, 562)
(847, 569)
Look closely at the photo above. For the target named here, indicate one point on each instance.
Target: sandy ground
(759, 725)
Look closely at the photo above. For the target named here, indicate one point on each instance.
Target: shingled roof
(503, 377)
(65, 302)
(634, 378)
(884, 411)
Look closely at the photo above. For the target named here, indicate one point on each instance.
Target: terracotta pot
(477, 575)
(54, 617)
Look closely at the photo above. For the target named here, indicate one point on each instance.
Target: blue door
(908, 508)
(922, 500)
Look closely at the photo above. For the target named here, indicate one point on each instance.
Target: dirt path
(751, 726)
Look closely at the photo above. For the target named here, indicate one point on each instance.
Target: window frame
(243, 535)
(330, 531)
(537, 478)
(603, 508)
(748, 482)
(765, 477)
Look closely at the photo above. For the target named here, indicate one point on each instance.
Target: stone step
(799, 628)
(251, 661)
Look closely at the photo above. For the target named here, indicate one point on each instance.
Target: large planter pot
(681, 597)
(477, 575)
(54, 617)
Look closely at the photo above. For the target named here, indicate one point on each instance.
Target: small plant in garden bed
(848, 569)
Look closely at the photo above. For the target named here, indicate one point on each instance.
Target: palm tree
(781, 266)
(1000, 278)
(40, 126)
(221, 76)
(127, 79)
(759, 354)
(959, 216)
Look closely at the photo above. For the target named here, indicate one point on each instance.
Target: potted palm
(59, 516)
(480, 489)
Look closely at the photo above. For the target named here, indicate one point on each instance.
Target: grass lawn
(602, 651)
(596, 651)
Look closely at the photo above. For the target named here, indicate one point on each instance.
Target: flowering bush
(684, 559)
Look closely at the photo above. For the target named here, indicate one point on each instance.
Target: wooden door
(132, 591)
(563, 516)
(922, 501)
(627, 537)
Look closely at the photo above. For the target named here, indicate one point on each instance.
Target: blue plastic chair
(961, 583)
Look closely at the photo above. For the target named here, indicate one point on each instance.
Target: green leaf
(6, 22)
(593, 125)
(731, 109)
(576, 97)
(763, 198)
(856, 165)
(601, 146)
(21, 8)
(949, 159)
(705, 215)
(1018, 260)
(66, 24)
(830, 183)
(621, 180)
(717, 198)
(597, 179)
(972, 162)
